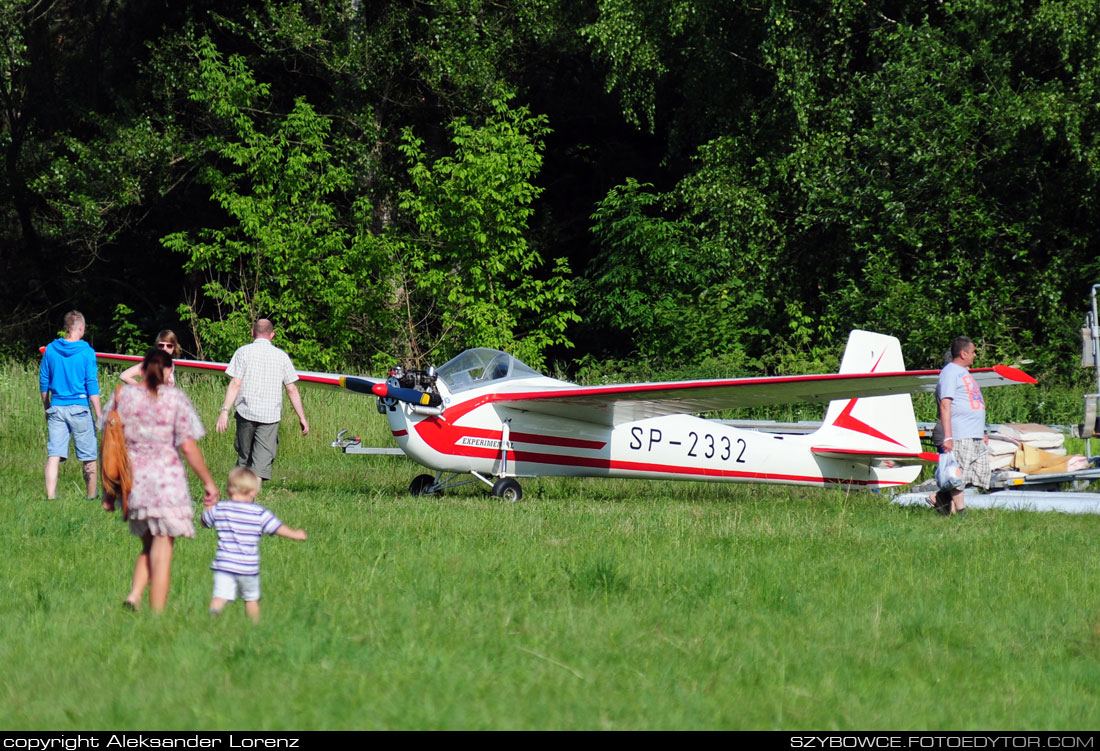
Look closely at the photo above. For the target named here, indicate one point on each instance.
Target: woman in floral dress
(159, 423)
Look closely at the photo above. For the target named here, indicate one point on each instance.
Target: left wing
(361, 384)
(614, 405)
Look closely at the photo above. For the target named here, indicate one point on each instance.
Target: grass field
(589, 605)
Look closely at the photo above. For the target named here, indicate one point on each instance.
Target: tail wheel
(507, 489)
(422, 485)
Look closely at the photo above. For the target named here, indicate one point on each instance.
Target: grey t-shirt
(967, 402)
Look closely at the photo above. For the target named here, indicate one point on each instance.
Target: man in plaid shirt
(257, 370)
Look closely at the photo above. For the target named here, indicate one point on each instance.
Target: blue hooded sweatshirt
(68, 372)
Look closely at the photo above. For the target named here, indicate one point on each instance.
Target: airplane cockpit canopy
(478, 367)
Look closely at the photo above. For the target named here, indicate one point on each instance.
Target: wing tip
(1013, 374)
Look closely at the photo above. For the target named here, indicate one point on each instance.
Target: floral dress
(160, 501)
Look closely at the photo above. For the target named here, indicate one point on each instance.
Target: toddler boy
(240, 522)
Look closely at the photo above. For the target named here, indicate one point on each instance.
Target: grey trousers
(256, 444)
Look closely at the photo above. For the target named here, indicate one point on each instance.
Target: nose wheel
(422, 485)
(507, 489)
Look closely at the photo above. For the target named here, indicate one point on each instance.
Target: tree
(451, 269)
(925, 173)
(89, 155)
(293, 250)
(659, 281)
(469, 273)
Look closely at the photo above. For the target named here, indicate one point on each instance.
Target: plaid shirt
(264, 370)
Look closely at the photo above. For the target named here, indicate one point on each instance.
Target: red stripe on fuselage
(554, 440)
(443, 437)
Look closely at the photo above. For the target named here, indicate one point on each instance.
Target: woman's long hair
(154, 369)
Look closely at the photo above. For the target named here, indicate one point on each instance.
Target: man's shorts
(226, 586)
(71, 421)
(973, 457)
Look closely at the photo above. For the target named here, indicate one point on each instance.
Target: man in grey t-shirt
(962, 412)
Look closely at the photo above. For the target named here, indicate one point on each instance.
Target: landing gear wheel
(508, 489)
(421, 484)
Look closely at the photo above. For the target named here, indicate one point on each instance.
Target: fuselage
(476, 434)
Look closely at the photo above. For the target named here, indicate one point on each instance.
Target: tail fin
(881, 429)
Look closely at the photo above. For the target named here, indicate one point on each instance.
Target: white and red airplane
(485, 416)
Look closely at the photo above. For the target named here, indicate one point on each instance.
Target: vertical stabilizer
(879, 425)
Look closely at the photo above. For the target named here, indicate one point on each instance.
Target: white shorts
(226, 586)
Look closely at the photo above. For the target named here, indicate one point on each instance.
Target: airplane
(487, 417)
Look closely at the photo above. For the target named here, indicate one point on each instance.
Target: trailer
(1053, 491)
(1017, 500)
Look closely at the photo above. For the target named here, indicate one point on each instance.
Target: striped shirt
(264, 370)
(240, 526)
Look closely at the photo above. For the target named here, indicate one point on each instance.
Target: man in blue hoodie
(69, 384)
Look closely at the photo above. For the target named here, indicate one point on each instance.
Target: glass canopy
(478, 367)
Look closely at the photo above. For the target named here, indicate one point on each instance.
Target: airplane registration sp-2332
(485, 416)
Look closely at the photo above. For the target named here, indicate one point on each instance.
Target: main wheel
(421, 485)
(508, 489)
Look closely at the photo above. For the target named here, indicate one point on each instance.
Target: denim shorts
(71, 421)
(226, 586)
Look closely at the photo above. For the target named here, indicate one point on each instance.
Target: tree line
(723, 183)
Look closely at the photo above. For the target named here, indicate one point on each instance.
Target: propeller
(360, 385)
(412, 396)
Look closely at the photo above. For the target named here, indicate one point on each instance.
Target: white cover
(999, 448)
(1039, 436)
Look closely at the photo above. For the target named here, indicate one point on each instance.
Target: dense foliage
(651, 180)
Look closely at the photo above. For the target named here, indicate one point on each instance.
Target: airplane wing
(614, 405)
(360, 384)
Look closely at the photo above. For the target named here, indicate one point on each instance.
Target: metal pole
(1094, 332)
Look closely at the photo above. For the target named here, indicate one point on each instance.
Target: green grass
(592, 604)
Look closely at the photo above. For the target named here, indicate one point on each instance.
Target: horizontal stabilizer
(877, 458)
